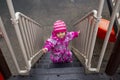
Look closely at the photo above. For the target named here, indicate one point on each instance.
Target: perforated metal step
(46, 70)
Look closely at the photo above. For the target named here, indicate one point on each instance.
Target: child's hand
(79, 32)
(44, 50)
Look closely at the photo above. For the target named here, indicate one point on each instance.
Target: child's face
(61, 34)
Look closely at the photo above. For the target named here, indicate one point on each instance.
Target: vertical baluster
(26, 34)
(24, 37)
(29, 36)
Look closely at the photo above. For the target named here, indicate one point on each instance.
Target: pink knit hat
(59, 26)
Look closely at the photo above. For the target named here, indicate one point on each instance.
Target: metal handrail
(27, 26)
(28, 68)
(98, 17)
(89, 53)
(111, 4)
(18, 14)
(108, 34)
(88, 59)
(93, 12)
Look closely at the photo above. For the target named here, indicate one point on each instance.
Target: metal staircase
(30, 40)
(44, 69)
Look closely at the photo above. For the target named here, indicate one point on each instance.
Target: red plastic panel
(102, 30)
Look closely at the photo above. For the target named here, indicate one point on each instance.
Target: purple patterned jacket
(59, 47)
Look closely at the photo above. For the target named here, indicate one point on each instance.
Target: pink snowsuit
(59, 47)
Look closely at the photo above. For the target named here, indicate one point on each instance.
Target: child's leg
(68, 56)
(56, 59)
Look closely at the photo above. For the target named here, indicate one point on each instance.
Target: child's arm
(44, 50)
(48, 45)
(73, 34)
(78, 32)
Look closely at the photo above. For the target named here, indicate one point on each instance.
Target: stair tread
(46, 70)
(51, 71)
(51, 65)
(60, 74)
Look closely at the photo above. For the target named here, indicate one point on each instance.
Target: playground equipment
(102, 30)
(28, 33)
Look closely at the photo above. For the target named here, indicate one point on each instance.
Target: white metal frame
(9, 46)
(90, 46)
(28, 33)
(118, 13)
(28, 47)
(108, 34)
(88, 33)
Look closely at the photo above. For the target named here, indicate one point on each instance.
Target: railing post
(100, 8)
(9, 45)
(108, 34)
(110, 6)
(13, 18)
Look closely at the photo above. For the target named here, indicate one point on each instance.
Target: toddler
(58, 43)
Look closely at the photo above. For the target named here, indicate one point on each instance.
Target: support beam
(114, 60)
(110, 6)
